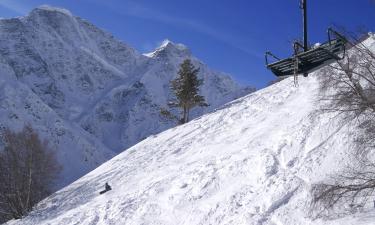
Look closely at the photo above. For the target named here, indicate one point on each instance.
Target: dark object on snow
(306, 59)
(107, 188)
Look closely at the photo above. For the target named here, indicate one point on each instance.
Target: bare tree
(28, 169)
(348, 89)
(345, 192)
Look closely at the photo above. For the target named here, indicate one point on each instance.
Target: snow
(55, 9)
(103, 62)
(88, 93)
(251, 162)
(77, 151)
(167, 42)
(165, 45)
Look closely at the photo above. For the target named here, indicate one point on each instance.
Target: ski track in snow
(251, 162)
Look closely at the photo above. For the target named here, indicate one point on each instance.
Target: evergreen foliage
(186, 89)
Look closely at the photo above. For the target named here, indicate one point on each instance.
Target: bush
(348, 90)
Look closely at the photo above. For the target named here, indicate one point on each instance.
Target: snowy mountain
(78, 151)
(90, 94)
(251, 162)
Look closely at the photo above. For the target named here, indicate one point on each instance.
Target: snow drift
(251, 162)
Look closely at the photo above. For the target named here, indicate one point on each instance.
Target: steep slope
(251, 162)
(78, 152)
(92, 95)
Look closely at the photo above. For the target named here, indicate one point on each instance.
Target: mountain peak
(52, 9)
(170, 44)
(168, 47)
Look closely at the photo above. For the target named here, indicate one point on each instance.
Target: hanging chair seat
(308, 61)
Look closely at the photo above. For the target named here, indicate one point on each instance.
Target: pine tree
(186, 88)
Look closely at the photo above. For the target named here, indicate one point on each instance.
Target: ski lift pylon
(308, 59)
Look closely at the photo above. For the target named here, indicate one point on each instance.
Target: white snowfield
(251, 162)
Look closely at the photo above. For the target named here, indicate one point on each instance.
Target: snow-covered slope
(251, 162)
(90, 94)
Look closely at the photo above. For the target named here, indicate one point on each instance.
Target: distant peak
(53, 9)
(165, 43)
(169, 46)
(168, 43)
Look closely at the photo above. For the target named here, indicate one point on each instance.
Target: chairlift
(307, 59)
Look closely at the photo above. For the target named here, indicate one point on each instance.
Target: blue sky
(228, 35)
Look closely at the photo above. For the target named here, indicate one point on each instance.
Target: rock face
(91, 95)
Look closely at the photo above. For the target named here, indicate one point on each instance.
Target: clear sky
(228, 35)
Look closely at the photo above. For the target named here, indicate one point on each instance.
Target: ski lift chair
(306, 59)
